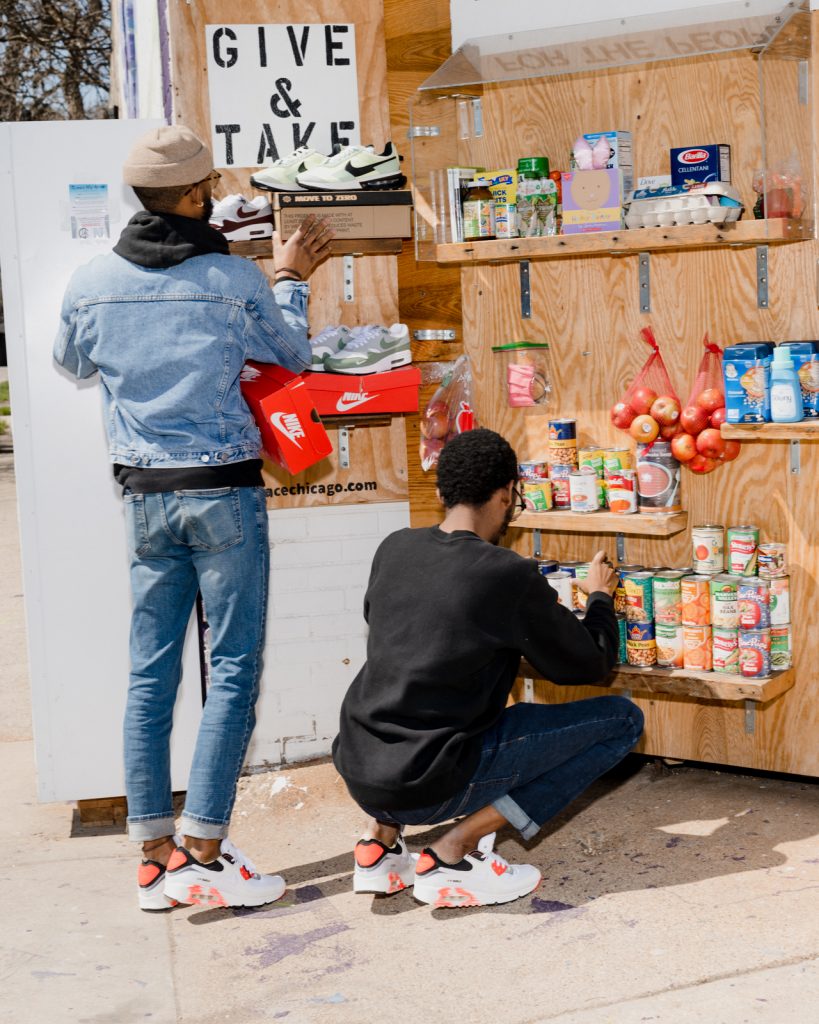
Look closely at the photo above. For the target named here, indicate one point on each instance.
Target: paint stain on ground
(40, 975)
(278, 947)
(337, 997)
(293, 901)
(540, 906)
(673, 841)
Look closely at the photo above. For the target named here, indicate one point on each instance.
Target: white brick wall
(316, 634)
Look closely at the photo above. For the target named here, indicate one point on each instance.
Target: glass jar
(537, 198)
(479, 211)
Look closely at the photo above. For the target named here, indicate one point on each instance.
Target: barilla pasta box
(592, 201)
(695, 164)
(292, 432)
(805, 355)
(746, 370)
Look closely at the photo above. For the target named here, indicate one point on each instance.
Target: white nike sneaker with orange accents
(483, 877)
(151, 883)
(229, 881)
(383, 869)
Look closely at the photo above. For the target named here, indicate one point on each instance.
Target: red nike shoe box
(341, 394)
(292, 432)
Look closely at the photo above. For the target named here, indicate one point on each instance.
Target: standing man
(168, 320)
(425, 732)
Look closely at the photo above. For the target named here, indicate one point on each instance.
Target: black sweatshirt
(450, 616)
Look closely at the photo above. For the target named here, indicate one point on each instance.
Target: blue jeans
(180, 542)
(535, 760)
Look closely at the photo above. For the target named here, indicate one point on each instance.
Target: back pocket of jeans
(213, 518)
(136, 523)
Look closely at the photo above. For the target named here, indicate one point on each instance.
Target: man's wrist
(291, 274)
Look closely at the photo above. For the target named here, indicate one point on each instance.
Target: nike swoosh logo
(346, 406)
(358, 171)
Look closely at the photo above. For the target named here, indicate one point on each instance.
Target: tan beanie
(170, 155)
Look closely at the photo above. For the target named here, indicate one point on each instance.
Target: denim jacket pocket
(213, 517)
(136, 523)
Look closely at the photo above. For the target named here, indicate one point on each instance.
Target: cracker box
(592, 201)
(693, 164)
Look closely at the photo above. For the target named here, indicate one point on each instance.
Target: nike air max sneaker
(483, 877)
(328, 342)
(280, 176)
(151, 882)
(229, 881)
(372, 350)
(355, 167)
(383, 869)
(243, 220)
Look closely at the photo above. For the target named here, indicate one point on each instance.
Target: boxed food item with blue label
(693, 164)
(805, 355)
(746, 369)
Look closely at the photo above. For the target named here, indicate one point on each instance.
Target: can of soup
(583, 492)
(781, 647)
(617, 459)
(591, 458)
(725, 601)
(533, 472)
(708, 545)
(725, 648)
(742, 543)
(620, 591)
(639, 597)
(754, 603)
(755, 652)
(669, 645)
(641, 644)
(548, 565)
(621, 486)
(696, 600)
(772, 559)
(580, 597)
(559, 475)
(667, 592)
(537, 495)
(658, 478)
(697, 648)
(562, 584)
(780, 601)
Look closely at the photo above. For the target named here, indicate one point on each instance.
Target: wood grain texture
(807, 430)
(638, 524)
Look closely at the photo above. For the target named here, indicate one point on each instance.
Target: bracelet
(289, 270)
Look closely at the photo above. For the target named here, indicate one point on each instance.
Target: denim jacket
(169, 345)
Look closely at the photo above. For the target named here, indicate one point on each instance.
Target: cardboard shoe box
(345, 394)
(292, 432)
(352, 215)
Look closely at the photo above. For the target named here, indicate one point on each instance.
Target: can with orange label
(696, 600)
(697, 652)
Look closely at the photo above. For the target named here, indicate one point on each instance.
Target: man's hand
(601, 575)
(303, 251)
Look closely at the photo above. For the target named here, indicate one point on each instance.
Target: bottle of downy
(786, 393)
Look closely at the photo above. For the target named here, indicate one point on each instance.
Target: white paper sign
(274, 88)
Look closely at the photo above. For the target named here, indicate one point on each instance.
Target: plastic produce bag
(449, 412)
(650, 408)
(700, 445)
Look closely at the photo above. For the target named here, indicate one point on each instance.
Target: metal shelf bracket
(344, 447)
(644, 270)
(349, 278)
(796, 463)
(537, 551)
(525, 293)
(750, 716)
(621, 547)
(762, 276)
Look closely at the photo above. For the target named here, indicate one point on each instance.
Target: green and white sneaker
(373, 349)
(328, 342)
(280, 176)
(355, 167)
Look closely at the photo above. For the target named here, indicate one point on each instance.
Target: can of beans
(621, 487)
(622, 657)
(547, 565)
(708, 545)
(533, 471)
(667, 591)
(725, 601)
(658, 478)
(772, 560)
(742, 543)
(781, 647)
(725, 650)
(580, 597)
(562, 584)
(563, 442)
(780, 601)
(639, 597)
(754, 603)
(571, 567)
(591, 458)
(641, 644)
(620, 591)
(617, 459)
(755, 652)
(559, 476)
(537, 495)
(696, 600)
(583, 492)
(669, 645)
(697, 648)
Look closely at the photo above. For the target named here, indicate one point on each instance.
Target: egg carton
(714, 203)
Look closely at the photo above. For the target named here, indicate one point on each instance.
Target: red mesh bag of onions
(449, 412)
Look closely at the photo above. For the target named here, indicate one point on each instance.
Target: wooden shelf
(689, 683)
(807, 430)
(637, 524)
(740, 234)
(262, 248)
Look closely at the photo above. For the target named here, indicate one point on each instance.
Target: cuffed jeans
(535, 760)
(180, 542)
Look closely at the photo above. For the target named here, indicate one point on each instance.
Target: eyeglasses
(213, 177)
(520, 504)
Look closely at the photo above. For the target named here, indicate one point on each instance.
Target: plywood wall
(378, 453)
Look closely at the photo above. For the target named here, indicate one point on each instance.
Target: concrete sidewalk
(672, 897)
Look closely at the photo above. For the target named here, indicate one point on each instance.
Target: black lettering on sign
(230, 55)
(300, 138)
(291, 106)
(267, 146)
(338, 140)
(262, 48)
(228, 130)
(331, 44)
(299, 46)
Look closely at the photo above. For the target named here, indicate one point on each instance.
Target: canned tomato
(562, 583)
(617, 459)
(669, 645)
(755, 652)
(697, 648)
(780, 601)
(658, 478)
(641, 645)
(696, 600)
(639, 597)
(667, 592)
(621, 488)
(725, 650)
(725, 601)
(781, 647)
(772, 560)
(620, 591)
(708, 545)
(741, 545)
(533, 471)
(563, 442)
(583, 492)
(622, 657)
(754, 603)
(547, 565)
(591, 458)
(537, 496)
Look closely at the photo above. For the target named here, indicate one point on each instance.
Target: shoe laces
(486, 847)
(344, 154)
(299, 153)
(239, 857)
(364, 337)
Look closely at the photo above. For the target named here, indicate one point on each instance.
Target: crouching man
(425, 735)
